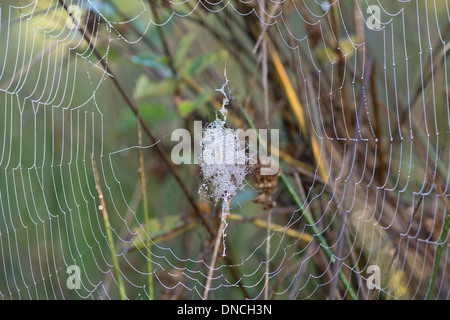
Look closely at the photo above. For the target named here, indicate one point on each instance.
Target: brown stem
(147, 130)
(225, 213)
(158, 146)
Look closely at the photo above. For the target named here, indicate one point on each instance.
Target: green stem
(146, 215)
(114, 258)
(109, 235)
(149, 244)
(317, 234)
(310, 221)
(437, 257)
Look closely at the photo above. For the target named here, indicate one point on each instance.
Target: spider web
(376, 112)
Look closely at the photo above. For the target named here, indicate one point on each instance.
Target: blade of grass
(309, 219)
(225, 213)
(109, 235)
(439, 250)
(265, 73)
(297, 108)
(317, 234)
(274, 227)
(20, 8)
(145, 209)
(189, 225)
(145, 127)
(430, 181)
(159, 148)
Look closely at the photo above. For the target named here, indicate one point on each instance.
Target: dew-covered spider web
(92, 205)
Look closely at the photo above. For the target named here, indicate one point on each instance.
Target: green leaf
(346, 47)
(200, 63)
(151, 113)
(154, 112)
(141, 87)
(159, 230)
(187, 106)
(183, 48)
(145, 88)
(157, 62)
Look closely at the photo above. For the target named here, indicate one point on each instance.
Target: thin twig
(430, 181)
(195, 87)
(20, 8)
(309, 219)
(147, 130)
(162, 36)
(348, 168)
(317, 234)
(158, 146)
(146, 214)
(441, 244)
(264, 28)
(109, 235)
(36, 59)
(223, 222)
(265, 74)
(438, 255)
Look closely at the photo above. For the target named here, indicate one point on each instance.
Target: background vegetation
(87, 177)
